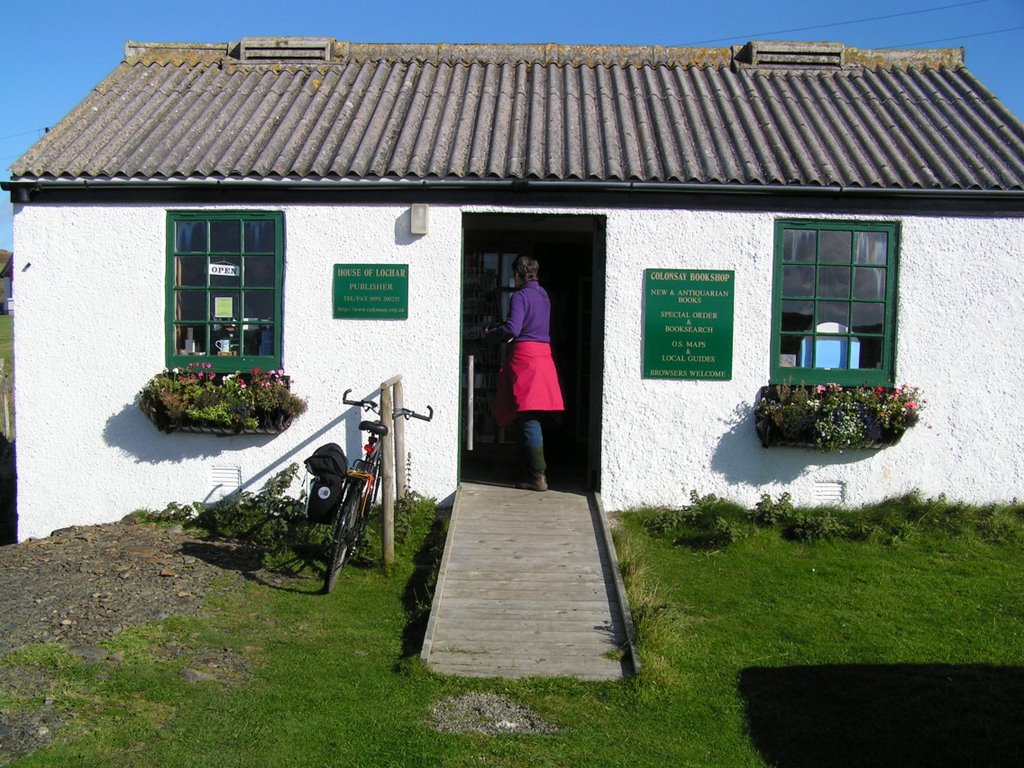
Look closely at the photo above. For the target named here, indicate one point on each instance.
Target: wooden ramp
(529, 587)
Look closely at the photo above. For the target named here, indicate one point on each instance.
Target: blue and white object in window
(830, 352)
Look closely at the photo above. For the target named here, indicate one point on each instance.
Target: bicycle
(360, 490)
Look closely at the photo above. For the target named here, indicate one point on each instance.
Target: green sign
(688, 320)
(378, 291)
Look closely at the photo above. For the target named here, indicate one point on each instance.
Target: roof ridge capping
(752, 55)
(772, 54)
(533, 53)
(185, 53)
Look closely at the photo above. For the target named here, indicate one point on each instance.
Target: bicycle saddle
(373, 426)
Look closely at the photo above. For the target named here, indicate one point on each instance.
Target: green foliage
(409, 510)
(819, 526)
(271, 519)
(768, 512)
(836, 418)
(200, 397)
(712, 522)
(707, 521)
(276, 522)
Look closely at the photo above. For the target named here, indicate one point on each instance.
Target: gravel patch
(85, 584)
(485, 713)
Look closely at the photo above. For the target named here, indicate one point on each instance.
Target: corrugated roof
(765, 114)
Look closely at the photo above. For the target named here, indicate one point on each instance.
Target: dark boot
(536, 483)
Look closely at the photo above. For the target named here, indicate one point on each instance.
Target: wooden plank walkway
(529, 587)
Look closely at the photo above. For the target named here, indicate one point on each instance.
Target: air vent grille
(792, 55)
(285, 49)
(826, 493)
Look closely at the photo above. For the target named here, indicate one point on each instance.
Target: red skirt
(527, 382)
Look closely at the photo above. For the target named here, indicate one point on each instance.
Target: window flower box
(196, 399)
(832, 418)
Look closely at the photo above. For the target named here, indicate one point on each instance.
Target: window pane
(799, 245)
(871, 248)
(190, 237)
(870, 353)
(797, 315)
(832, 297)
(258, 340)
(190, 339)
(224, 305)
(224, 340)
(797, 281)
(837, 312)
(259, 305)
(191, 270)
(190, 305)
(225, 287)
(868, 283)
(835, 247)
(225, 271)
(225, 236)
(789, 352)
(259, 236)
(868, 318)
(259, 271)
(834, 282)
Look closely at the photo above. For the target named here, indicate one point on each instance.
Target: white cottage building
(708, 222)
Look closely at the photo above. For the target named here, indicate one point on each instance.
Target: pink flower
(911, 404)
(820, 388)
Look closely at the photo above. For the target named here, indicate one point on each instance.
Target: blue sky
(55, 51)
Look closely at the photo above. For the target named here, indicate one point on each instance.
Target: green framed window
(224, 280)
(834, 302)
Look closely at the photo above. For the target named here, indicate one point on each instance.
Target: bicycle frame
(367, 469)
(363, 478)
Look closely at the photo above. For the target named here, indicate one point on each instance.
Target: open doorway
(570, 250)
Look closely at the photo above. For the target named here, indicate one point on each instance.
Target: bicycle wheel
(341, 538)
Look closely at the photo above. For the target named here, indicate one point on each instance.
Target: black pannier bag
(328, 466)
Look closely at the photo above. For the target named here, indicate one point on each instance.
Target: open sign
(225, 270)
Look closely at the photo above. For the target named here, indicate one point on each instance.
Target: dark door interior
(565, 248)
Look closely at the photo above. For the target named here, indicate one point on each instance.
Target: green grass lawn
(7, 340)
(764, 652)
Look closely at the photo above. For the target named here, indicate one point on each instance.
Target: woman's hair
(526, 267)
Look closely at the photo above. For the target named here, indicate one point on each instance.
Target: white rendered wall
(91, 280)
(959, 338)
(89, 333)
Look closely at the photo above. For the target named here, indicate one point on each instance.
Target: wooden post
(388, 489)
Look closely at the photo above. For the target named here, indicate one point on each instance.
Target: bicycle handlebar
(370, 405)
(367, 405)
(412, 414)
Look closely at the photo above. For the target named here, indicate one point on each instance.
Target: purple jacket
(529, 316)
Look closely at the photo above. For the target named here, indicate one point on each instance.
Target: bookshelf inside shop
(488, 285)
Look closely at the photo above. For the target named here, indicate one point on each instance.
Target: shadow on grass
(911, 716)
(247, 560)
(419, 589)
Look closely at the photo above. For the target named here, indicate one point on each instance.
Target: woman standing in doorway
(528, 383)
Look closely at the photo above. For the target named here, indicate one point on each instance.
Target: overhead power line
(951, 39)
(755, 35)
(23, 133)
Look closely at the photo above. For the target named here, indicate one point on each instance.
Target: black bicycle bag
(328, 466)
